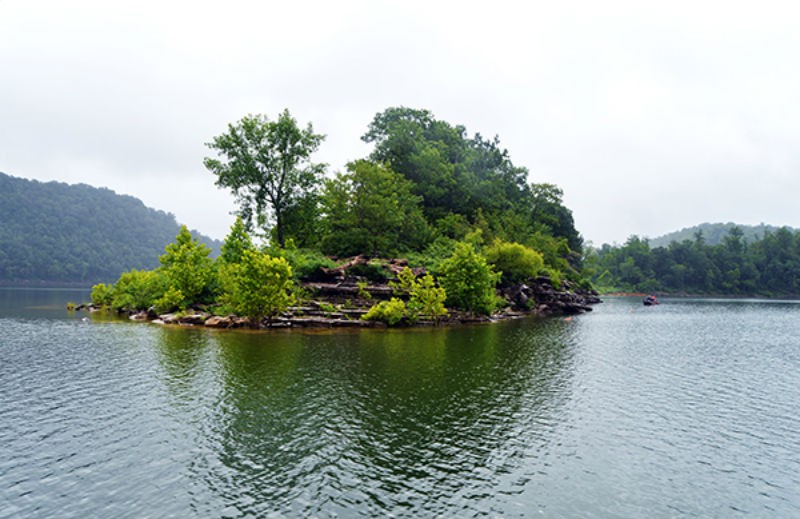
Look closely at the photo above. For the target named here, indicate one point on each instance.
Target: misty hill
(58, 233)
(713, 233)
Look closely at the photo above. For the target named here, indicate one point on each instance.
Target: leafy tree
(450, 171)
(267, 167)
(427, 299)
(258, 286)
(371, 210)
(516, 261)
(237, 241)
(137, 290)
(469, 280)
(547, 209)
(188, 268)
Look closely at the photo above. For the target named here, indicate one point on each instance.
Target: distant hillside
(58, 233)
(713, 233)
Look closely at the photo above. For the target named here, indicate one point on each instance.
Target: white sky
(651, 116)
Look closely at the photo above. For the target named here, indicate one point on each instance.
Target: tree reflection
(378, 422)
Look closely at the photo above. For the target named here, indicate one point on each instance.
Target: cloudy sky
(651, 116)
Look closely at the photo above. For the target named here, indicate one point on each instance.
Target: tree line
(58, 233)
(768, 266)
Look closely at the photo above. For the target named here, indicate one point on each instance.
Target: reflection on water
(685, 409)
(370, 423)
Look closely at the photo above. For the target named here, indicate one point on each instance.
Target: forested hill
(714, 233)
(53, 232)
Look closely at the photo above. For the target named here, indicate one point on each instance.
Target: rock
(193, 319)
(216, 321)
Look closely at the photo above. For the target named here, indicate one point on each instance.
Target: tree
(188, 267)
(371, 210)
(450, 171)
(547, 209)
(267, 167)
(235, 244)
(468, 280)
(516, 261)
(258, 286)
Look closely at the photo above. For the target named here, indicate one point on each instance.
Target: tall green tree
(267, 166)
(188, 268)
(370, 210)
(454, 174)
(258, 286)
(468, 280)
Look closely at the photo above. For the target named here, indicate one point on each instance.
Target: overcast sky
(650, 116)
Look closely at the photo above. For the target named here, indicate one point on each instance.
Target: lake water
(690, 408)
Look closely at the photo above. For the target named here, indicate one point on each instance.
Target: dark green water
(686, 409)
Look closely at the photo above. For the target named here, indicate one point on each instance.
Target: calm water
(686, 409)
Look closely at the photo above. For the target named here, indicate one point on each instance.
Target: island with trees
(433, 226)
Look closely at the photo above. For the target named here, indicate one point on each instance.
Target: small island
(477, 241)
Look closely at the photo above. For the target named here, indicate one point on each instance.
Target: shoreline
(340, 305)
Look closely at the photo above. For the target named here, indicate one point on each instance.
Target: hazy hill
(713, 233)
(59, 233)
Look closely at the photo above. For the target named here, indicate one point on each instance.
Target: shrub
(259, 286)
(469, 280)
(427, 299)
(171, 300)
(102, 294)
(515, 261)
(188, 267)
(137, 290)
(391, 312)
(373, 271)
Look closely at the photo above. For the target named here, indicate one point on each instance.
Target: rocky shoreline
(342, 302)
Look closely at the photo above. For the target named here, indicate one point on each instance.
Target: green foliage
(469, 280)
(137, 290)
(363, 293)
(237, 241)
(102, 295)
(371, 210)
(555, 277)
(172, 300)
(188, 268)
(427, 299)
(266, 165)
(259, 286)
(516, 262)
(373, 271)
(391, 312)
(769, 266)
(327, 307)
(406, 281)
(306, 263)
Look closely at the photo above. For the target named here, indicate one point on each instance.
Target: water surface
(685, 409)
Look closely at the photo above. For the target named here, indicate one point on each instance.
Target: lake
(690, 408)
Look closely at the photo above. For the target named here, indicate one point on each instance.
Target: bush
(259, 286)
(515, 261)
(171, 300)
(427, 299)
(373, 271)
(138, 290)
(469, 280)
(102, 294)
(306, 263)
(391, 312)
